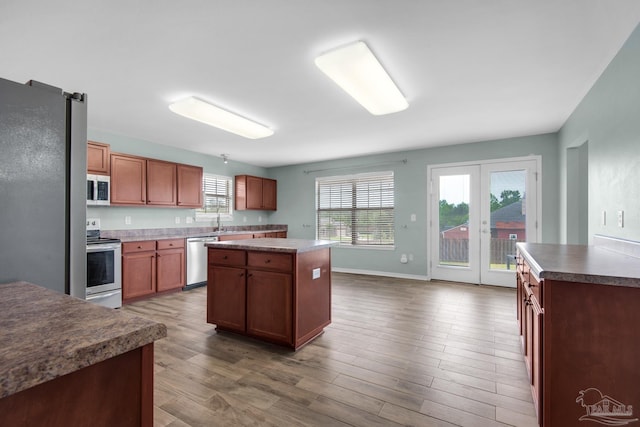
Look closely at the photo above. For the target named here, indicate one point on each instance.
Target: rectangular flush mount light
(357, 71)
(204, 112)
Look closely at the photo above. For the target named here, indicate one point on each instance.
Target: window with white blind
(217, 193)
(356, 210)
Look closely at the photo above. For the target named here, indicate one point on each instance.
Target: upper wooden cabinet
(161, 183)
(128, 180)
(98, 158)
(255, 193)
(189, 186)
(149, 182)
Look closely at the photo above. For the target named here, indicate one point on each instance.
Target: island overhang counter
(276, 290)
(64, 361)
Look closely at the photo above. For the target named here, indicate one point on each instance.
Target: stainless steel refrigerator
(43, 161)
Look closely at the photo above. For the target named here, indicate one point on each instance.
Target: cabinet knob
(267, 261)
(139, 247)
(225, 257)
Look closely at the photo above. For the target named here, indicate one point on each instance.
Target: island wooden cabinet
(284, 298)
(227, 300)
(530, 320)
(578, 313)
(138, 181)
(98, 158)
(255, 193)
(152, 266)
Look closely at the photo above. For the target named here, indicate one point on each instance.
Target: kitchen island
(276, 290)
(579, 317)
(64, 361)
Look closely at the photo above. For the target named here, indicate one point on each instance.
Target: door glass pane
(454, 220)
(508, 218)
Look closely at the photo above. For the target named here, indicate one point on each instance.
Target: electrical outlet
(127, 220)
(177, 220)
(604, 217)
(621, 219)
(189, 220)
(413, 217)
(93, 223)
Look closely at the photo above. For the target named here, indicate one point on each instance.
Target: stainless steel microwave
(98, 190)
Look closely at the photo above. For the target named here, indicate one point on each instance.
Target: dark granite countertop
(273, 245)
(581, 263)
(45, 334)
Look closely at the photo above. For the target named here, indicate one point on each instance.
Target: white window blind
(218, 197)
(356, 210)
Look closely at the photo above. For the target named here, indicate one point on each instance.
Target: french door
(477, 213)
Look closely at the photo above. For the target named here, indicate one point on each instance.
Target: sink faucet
(219, 228)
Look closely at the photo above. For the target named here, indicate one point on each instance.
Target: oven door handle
(103, 295)
(101, 247)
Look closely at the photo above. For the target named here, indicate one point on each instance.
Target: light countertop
(45, 334)
(581, 263)
(273, 245)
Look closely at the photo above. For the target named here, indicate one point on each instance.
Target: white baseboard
(380, 273)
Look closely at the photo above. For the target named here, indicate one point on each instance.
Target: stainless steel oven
(104, 272)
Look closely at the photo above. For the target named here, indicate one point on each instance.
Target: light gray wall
(112, 217)
(296, 202)
(608, 118)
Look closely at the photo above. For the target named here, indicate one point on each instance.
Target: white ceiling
(471, 70)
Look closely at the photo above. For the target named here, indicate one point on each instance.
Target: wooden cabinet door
(536, 356)
(98, 158)
(254, 192)
(226, 296)
(161, 183)
(269, 194)
(128, 180)
(170, 269)
(189, 186)
(138, 274)
(269, 305)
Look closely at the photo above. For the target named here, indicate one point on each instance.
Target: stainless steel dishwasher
(197, 261)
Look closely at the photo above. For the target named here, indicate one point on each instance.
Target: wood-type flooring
(398, 352)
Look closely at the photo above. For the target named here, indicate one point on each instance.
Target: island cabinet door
(269, 305)
(226, 296)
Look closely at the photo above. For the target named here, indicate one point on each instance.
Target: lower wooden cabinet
(152, 266)
(580, 338)
(530, 318)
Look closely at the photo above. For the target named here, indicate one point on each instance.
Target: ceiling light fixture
(357, 71)
(225, 158)
(204, 112)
